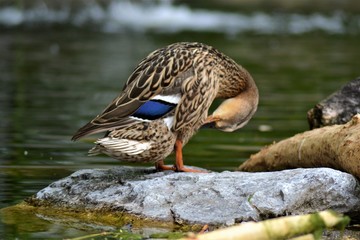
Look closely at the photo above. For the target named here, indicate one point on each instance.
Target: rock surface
(338, 108)
(213, 198)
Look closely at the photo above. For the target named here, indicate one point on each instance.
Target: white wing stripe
(130, 147)
(139, 119)
(174, 99)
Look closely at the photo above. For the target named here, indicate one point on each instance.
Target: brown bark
(335, 146)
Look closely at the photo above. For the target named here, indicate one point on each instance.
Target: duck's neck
(235, 82)
(241, 102)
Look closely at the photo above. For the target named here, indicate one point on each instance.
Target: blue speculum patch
(153, 109)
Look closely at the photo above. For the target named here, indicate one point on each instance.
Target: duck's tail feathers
(94, 151)
(93, 127)
(88, 129)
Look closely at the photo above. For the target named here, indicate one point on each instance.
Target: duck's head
(234, 113)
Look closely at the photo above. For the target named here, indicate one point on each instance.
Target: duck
(166, 100)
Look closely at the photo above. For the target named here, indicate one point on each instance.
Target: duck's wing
(160, 74)
(198, 93)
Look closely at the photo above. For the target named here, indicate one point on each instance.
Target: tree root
(336, 146)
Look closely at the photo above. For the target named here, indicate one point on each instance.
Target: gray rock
(338, 108)
(213, 198)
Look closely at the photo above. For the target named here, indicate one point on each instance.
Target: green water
(53, 81)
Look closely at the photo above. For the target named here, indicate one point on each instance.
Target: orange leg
(179, 163)
(160, 166)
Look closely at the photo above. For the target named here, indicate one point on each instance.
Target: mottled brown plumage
(188, 76)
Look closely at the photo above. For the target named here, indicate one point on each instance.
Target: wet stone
(196, 198)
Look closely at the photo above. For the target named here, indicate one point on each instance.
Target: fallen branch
(279, 228)
(335, 146)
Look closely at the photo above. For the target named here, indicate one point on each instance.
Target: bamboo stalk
(305, 237)
(278, 228)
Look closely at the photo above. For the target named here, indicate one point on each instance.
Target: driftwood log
(338, 108)
(336, 146)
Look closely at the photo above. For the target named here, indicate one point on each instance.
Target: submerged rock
(213, 198)
(338, 108)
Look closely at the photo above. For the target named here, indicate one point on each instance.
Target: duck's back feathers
(155, 75)
(181, 71)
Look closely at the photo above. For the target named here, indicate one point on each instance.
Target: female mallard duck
(166, 100)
